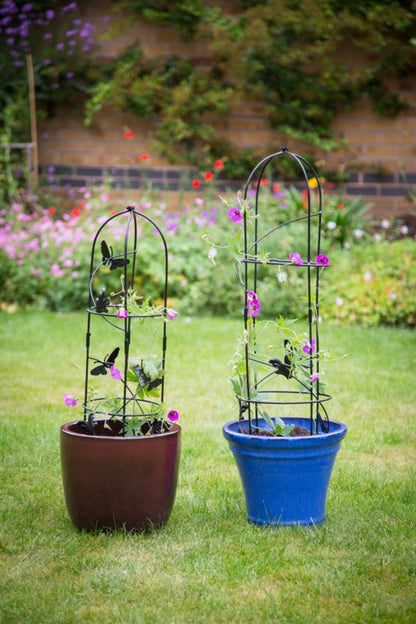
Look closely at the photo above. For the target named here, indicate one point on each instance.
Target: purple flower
(115, 372)
(234, 214)
(171, 313)
(322, 260)
(122, 313)
(309, 347)
(173, 415)
(314, 377)
(69, 400)
(295, 258)
(253, 304)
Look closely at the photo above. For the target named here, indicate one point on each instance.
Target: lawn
(208, 564)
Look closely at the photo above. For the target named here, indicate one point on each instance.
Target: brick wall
(380, 157)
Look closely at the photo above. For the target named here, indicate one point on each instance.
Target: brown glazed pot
(114, 482)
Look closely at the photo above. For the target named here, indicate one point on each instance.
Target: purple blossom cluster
(22, 28)
(56, 250)
(191, 219)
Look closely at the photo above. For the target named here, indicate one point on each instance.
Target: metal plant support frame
(130, 402)
(311, 397)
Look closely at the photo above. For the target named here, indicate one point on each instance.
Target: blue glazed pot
(285, 479)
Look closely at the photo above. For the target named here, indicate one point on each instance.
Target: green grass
(208, 564)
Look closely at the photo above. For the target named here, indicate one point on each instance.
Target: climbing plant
(294, 57)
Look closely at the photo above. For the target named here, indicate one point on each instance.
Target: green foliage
(290, 56)
(373, 284)
(277, 425)
(44, 260)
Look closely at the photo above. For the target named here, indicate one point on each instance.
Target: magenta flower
(295, 258)
(69, 400)
(322, 260)
(314, 377)
(173, 415)
(115, 372)
(171, 313)
(122, 313)
(309, 347)
(234, 214)
(253, 304)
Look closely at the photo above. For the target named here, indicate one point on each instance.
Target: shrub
(372, 284)
(45, 256)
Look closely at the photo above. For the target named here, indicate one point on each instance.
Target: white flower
(212, 253)
(331, 225)
(282, 276)
(358, 233)
(339, 301)
(404, 230)
(385, 224)
(347, 245)
(377, 237)
(367, 276)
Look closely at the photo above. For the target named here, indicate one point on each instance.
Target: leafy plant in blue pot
(283, 441)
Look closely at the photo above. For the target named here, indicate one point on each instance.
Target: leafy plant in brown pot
(120, 462)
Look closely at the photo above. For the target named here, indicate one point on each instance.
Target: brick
(89, 172)
(376, 177)
(360, 190)
(394, 191)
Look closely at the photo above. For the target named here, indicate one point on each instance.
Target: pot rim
(338, 433)
(65, 429)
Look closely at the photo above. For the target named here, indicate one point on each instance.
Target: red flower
(218, 164)
(51, 210)
(76, 212)
(341, 206)
(128, 134)
(144, 156)
(264, 182)
(208, 175)
(276, 187)
(196, 184)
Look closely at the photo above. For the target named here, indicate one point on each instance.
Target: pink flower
(314, 377)
(309, 347)
(69, 400)
(171, 313)
(234, 214)
(295, 258)
(253, 304)
(322, 260)
(56, 270)
(115, 372)
(173, 415)
(122, 313)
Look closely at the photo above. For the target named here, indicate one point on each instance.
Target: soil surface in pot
(296, 431)
(113, 428)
